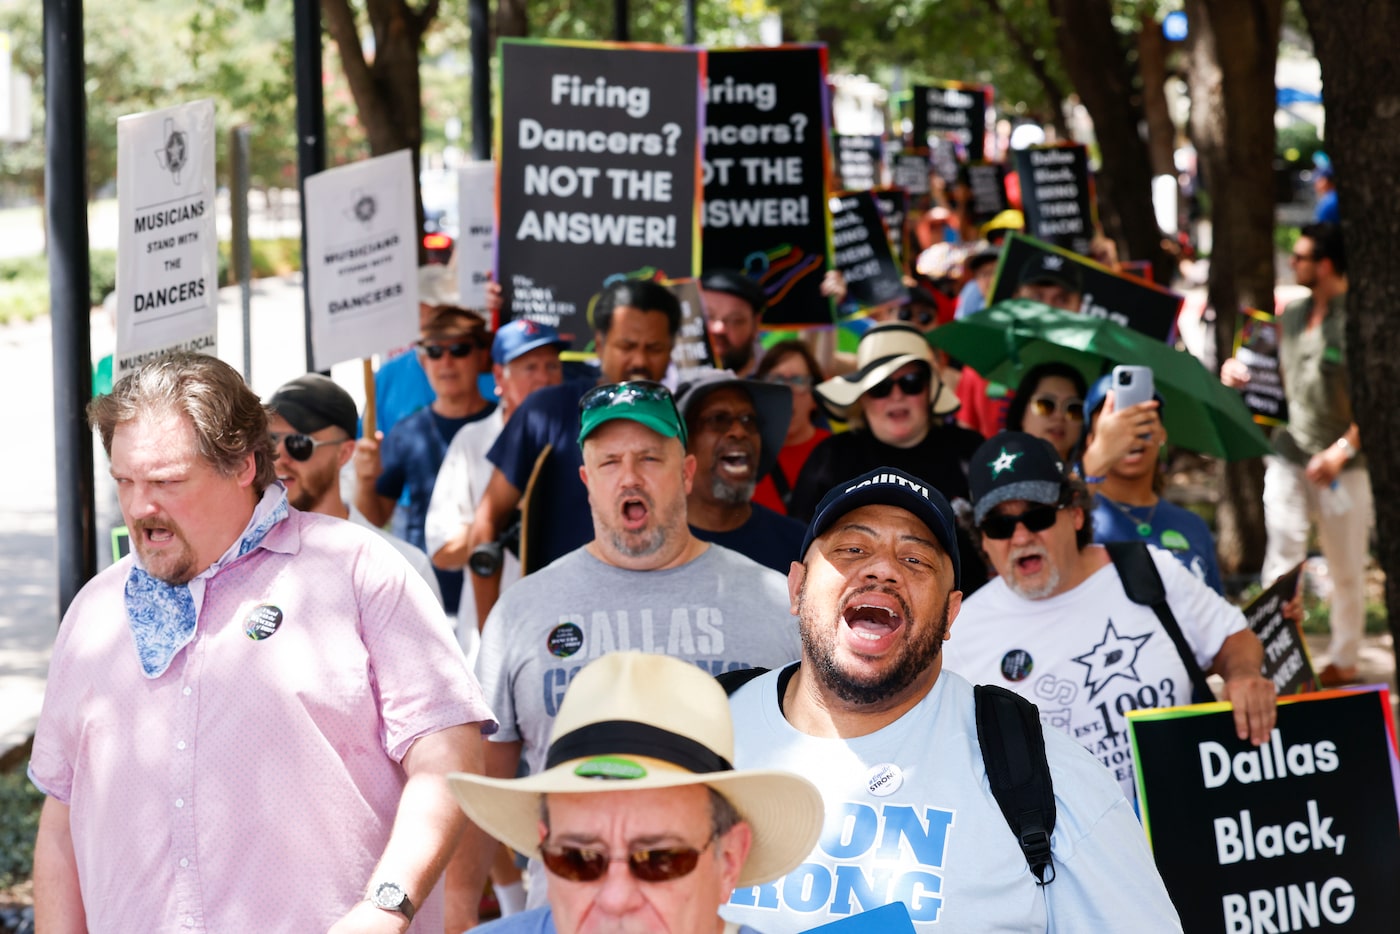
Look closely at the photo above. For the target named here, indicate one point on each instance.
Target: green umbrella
(1200, 414)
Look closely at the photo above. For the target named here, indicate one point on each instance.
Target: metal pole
(478, 20)
(690, 22)
(65, 186)
(621, 32)
(311, 126)
(241, 247)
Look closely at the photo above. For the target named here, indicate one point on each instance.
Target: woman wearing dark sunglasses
(1049, 404)
(895, 404)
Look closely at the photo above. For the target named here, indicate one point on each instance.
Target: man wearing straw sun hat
(640, 819)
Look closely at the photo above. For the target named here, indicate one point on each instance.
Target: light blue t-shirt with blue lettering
(910, 817)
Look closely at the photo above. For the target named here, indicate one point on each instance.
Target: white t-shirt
(461, 482)
(1087, 656)
(910, 817)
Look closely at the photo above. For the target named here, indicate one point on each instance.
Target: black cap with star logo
(1014, 465)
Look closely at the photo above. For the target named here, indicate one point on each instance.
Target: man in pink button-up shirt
(248, 719)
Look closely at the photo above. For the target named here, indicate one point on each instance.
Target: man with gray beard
(1057, 626)
(643, 583)
(736, 428)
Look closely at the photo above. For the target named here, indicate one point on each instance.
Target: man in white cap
(891, 739)
(639, 817)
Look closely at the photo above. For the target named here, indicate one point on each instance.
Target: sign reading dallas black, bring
(598, 154)
(863, 252)
(1298, 834)
(766, 166)
(858, 161)
(955, 110)
(1131, 302)
(1057, 195)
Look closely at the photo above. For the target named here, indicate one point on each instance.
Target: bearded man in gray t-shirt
(644, 583)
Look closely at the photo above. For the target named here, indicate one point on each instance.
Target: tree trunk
(1152, 66)
(1232, 106)
(1361, 90)
(387, 90)
(1096, 61)
(512, 18)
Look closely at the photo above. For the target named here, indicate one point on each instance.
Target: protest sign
(943, 157)
(955, 111)
(598, 155)
(1057, 195)
(1293, 835)
(1142, 306)
(476, 231)
(167, 241)
(1287, 662)
(766, 171)
(863, 253)
(894, 210)
(362, 258)
(858, 161)
(1257, 347)
(691, 351)
(909, 170)
(988, 193)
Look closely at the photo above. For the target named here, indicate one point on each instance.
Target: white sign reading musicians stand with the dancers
(167, 247)
(362, 258)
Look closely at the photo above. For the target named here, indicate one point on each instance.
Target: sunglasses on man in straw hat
(883, 350)
(634, 721)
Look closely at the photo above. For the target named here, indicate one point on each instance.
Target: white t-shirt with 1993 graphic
(1088, 656)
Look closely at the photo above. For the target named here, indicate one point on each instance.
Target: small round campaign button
(262, 621)
(1016, 665)
(884, 779)
(564, 640)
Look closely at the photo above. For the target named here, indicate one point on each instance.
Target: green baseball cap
(642, 401)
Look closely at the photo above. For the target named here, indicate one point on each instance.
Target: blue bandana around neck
(162, 616)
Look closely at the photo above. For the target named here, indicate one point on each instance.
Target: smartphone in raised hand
(1131, 385)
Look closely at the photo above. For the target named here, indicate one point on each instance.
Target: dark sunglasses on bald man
(300, 447)
(911, 384)
(655, 864)
(1035, 519)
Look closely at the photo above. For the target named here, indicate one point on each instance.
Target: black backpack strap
(1013, 749)
(1143, 585)
(731, 681)
(780, 483)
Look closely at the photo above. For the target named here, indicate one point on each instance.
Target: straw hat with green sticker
(632, 721)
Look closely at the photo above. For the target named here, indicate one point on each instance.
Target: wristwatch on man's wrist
(1348, 451)
(391, 897)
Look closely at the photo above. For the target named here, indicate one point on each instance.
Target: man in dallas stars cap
(889, 736)
(640, 819)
